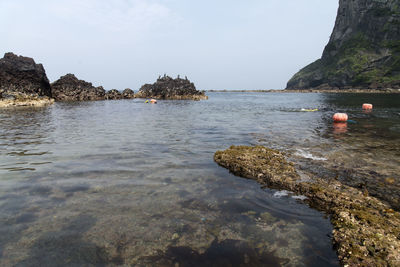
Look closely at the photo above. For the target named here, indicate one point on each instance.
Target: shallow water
(123, 182)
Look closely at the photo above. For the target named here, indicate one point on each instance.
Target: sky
(217, 44)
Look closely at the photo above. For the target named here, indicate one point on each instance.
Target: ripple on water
(137, 184)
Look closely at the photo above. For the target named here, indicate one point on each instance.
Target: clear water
(114, 183)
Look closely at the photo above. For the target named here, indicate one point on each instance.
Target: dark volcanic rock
(21, 75)
(128, 94)
(168, 88)
(69, 88)
(113, 94)
(363, 51)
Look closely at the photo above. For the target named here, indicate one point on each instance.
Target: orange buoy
(367, 106)
(340, 117)
(153, 101)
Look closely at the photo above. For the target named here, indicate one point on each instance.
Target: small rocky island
(363, 51)
(23, 82)
(168, 88)
(70, 88)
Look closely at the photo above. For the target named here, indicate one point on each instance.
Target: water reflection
(339, 127)
(131, 183)
(24, 133)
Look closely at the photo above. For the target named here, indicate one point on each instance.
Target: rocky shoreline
(24, 83)
(22, 100)
(366, 230)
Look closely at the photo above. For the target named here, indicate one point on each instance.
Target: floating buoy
(367, 106)
(340, 117)
(153, 101)
(147, 101)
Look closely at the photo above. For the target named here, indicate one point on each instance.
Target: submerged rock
(363, 50)
(69, 88)
(366, 230)
(128, 93)
(21, 75)
(113, 94)
(169, 88)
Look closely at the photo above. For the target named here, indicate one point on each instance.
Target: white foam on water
(300, 197)
(279, 194)
(308, 155)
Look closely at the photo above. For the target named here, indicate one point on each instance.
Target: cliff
(169, 88)
(363, 50)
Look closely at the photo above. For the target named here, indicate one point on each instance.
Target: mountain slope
(363, 50)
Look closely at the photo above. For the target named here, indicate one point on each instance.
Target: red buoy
(340, 117)
(367, 106)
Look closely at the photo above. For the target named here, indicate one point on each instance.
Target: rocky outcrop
(169, 88)
(69, 88)
(366, 231)
(128, 93)
(113, 94)
(21, 75)
(363, 50)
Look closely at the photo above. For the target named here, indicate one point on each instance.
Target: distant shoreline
(358, 91)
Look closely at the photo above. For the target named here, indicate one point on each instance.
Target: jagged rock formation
(169, 88)
(21, 75)
(69, 88)
(113, 94)
(128, 93)
(363, 50)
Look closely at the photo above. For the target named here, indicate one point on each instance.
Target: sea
(127, 183)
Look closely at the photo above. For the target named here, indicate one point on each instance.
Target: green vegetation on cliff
(363, 52)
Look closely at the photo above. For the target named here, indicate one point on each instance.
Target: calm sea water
(126, 183)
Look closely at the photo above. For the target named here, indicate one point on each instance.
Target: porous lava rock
(21, 75)
(70, 88)
(366, 230)
(113, 94)
(128, 93)
(169, 88)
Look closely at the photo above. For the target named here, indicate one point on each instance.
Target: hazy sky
(218, 44)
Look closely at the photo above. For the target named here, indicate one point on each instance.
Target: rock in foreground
(69, 88)
(21, 75)
(366, 230)
(169, 88)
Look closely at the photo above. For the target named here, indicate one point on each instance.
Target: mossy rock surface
(366, 230)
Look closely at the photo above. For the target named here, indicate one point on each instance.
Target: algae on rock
(366, 230)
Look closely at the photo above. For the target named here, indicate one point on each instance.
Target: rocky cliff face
(21, 75)
(363, 51)
(69, 88)
(169, 88)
